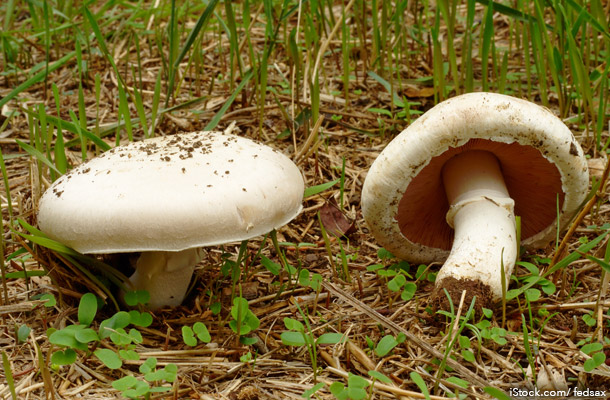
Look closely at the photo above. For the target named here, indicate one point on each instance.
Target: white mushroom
(449, 186)
(169, 196)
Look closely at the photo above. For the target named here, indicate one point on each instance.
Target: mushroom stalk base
(482, 214)
(165, 275)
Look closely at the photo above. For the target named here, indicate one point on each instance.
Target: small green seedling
(81, 336)
(198, 331)
(22, 333)
(49, 300)
(589, 319)
(494, 333)
(271, 266)
(395, 275)
(310, 392)
(387, 344)
(424, 274)
(596, 352)
(313, 281)
(244, 321)
(298, 335)
(378, 376)
(532, 294)
(465, 345)
(247, 358)
(355, 389)
(461, 383)
(133, 388)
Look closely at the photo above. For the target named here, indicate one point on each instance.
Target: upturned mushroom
(168, 197)
(447, 189)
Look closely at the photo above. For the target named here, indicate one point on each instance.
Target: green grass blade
(488, 33)
(216, 119)
(37, 236)
(82, 115)
(437, 59)
(467, 54)
(172, 51)
(124, 110)
(508, 11)
(4, 299)
(313, 190)
(141, 112)
(234, 46)
(36, 78)
(449, 19)
(7, 188)
(496, 393)
(502, 74)
(199, 25)
(43, 141)
(315, 98)
(345, 58)
(47, 42)
(419, 381)
(548, 46)
(48, 243)
(81, 137)
(287, 14)
(37, 155)
(98, 35)
(262, 83)
(590, 18)
(9, 15)
(8, 375)
(98, 88)
(61, 161)
(579, 69)
(74, 128)
(395, 98)
(527, 347)
(155, 106)
(102, 43)
(603, 102)
(376, 34)
(539, 62)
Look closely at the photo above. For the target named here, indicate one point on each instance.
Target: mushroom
(168, 197)
(449, 186)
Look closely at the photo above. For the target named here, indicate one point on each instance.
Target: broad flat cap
(172, 193)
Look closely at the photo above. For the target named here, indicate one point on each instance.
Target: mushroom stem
(165, 275)
(482, 215)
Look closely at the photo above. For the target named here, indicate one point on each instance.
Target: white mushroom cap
(404, 200)
(172, 193)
